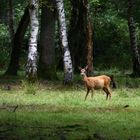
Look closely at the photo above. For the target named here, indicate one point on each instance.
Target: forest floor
(51, 111)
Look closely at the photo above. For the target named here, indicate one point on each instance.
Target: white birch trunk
(31, 71)
(68, 70)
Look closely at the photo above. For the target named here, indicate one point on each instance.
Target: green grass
(63, 114)
(50, 111)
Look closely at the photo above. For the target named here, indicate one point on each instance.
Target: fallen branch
(14, 110)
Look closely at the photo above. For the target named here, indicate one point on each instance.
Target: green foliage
(111, 38)
(94, 1)
(4, 45)
(68, 8)
(18, 12)
(5, 40)
(110, 32)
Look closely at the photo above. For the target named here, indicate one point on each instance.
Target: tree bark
(10, 19)
(31, 70)
(90, 48)
(78, 33)
(47, 66)
(17, 44)
(133, 40)
(68, 69)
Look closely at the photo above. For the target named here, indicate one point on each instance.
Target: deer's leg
(91, 93)
(107, 91)
(87, 93)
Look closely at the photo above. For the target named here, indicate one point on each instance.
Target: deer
(97, 82)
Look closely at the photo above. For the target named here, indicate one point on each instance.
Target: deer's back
(98, 82)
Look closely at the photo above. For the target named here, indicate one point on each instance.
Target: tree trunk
(68, 69)
(31, 70)
(17, 44)
(10, 19)
(47, 67)
(90, 48)
(133, 40)
(78, 33)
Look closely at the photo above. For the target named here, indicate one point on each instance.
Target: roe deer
(97, 82)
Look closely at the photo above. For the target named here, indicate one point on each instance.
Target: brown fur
(97, 82)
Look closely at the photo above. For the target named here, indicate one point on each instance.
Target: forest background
(103, 34)
(112, 48)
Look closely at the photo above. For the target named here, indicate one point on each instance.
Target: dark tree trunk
(77, 33)
(47, 66)
(17, 44)
(80, 35)
(90, 48)
(0, 13)
(133, 40)
(10, 19)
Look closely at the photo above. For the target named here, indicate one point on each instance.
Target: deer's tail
(113, 82)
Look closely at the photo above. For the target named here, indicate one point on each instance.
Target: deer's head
(83, 71)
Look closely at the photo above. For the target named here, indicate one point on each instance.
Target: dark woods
(102, 35)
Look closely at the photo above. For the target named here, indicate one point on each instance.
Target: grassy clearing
(53, 112)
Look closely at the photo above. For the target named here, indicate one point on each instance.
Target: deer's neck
(84, 78)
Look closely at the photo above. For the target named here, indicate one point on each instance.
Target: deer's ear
(86, 67)
(79, 68)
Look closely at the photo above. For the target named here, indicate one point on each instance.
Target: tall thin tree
(89, 47)
(68, 69)
(89, 41)
(133, 40)
(31, 70)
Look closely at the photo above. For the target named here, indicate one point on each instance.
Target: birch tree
(68, 69)
(31, 70)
